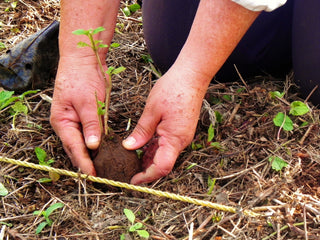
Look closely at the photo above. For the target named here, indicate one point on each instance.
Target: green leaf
(126, 11)
(134, 7)
(114, 45)
(191, 166)
(275, 94)
(40, 227)
(3, 190)
(218, 116)
(103, 45)
(277, 163)
(210, 133)
(82, 44)
(130, 215)
(298, 108)
(118, 70)
(122, 236)
(97, 30)
(135, 227)
(81, 32)
(41, 155)
(7, 224)
(143, 233)
(211, 184)
(2, 45)
(53, 207)
(44, 180)
(6, 98)
(283, 120)
(227, 97)
(216, 145)
(27, 93)
(19, 107)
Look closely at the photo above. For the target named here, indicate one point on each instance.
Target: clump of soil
(115, 162)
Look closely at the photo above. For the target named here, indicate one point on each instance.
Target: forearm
(218, 27)
(84, 14)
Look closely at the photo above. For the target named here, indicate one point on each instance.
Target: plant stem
(108, 85)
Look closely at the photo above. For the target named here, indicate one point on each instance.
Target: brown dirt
(115, 162)
(289, 200)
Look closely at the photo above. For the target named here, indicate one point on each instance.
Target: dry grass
(289, 200)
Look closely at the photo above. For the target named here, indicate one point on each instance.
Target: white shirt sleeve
(260, 5)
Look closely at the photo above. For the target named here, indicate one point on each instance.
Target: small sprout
(3, 190)
(2, 46)
(275, 94)
(46, 215)
(298, 108)
(42, 156)
(228, 98)
(130, 9)
(210, 133)
(211, 184)
(277, 163)
(196, 146)
(135, 228)
(282, 120)
(192, 165)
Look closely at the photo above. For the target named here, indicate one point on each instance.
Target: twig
(306, 134)
(242, 80)
(312, 91)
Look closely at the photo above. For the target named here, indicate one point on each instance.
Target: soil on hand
(115, 162)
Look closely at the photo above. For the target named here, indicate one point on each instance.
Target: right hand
(74, 111)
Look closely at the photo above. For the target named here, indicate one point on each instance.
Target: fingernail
(92, 142)
(129, 142)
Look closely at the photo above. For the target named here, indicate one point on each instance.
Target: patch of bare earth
(288, 201)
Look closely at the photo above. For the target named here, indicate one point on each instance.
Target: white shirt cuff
(260, 5)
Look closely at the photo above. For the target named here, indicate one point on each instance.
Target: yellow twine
(131, 187)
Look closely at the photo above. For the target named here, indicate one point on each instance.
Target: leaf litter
(237, 173)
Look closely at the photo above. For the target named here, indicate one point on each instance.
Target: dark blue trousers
(278, 41)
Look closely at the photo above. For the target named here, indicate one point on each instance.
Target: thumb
(142, 133)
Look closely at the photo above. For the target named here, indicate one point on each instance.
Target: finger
(143, 131)
(90, 123)
(162, 165)
(73, 143)
(76, 149)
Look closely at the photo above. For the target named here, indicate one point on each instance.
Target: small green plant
(130, 9)
(3, 190)
(95, 45)
(2, 46)
(12, 6)
(42, 158)
(282, 120)
(136, 227)
(46, 214)
(211, 184)
(277, 163)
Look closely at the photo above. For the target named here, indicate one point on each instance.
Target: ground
(233, 169)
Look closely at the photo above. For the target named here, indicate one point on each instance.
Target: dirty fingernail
(92, 142)
(129, 142)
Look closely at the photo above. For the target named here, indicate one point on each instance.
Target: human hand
(74, 112)
(172, 111)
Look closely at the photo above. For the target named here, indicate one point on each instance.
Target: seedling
(211, 184)
(42, 157)
(135, 228)
(282, 120)
(46, 214)
(3, 190)
(277, 163)
(130, 9)
(95, 45)
(2, 46)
